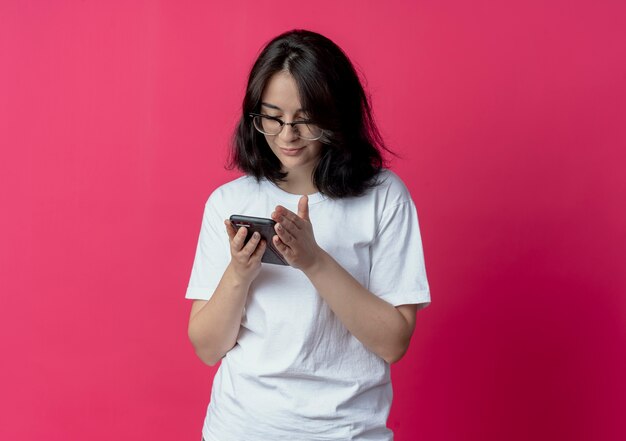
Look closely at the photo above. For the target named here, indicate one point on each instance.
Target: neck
(299, 183)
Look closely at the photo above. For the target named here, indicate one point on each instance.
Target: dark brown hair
(332, 96)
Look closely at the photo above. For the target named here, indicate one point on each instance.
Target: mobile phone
(265, 227)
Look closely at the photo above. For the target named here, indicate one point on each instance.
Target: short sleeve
(397, 271)
(212, 255)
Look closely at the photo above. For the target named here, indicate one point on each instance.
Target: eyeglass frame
(283, 124)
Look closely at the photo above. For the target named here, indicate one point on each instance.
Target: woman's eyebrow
(272, 106)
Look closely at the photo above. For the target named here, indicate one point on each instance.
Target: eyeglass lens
(270, 126)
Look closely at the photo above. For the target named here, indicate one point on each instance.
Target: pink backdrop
(511, 121)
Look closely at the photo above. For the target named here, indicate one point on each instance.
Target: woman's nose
(288, 133)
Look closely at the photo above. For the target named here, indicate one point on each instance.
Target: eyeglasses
(270, 125)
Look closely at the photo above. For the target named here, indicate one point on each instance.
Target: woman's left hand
(295, 239)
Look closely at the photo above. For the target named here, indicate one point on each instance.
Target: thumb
(303, 207)
(230, 229)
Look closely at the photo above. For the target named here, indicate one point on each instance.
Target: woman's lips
(291, 152)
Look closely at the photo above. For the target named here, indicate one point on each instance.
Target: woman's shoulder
(391, 187)
(243, 186)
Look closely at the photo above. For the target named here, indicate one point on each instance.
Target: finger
(275, 214)
(280, 246)
(260, 250)
(279, 211)
(303, 207)
(283, 213)
(230, 229)
(283, 234)
(289, 226)
(252, 244)
(239, 238)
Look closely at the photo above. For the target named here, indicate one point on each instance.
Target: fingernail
(256, 235)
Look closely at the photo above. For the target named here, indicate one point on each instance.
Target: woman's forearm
(380, 326)
(214, 326)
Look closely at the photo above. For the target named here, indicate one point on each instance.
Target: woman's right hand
(245, 259)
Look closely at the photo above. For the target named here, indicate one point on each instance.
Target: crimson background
(510, 120)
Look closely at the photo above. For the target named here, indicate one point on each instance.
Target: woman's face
(280, 99)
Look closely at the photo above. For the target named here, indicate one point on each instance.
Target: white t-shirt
(296, 373)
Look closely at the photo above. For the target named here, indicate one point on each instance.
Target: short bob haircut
(333, 97)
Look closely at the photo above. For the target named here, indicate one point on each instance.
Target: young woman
(305, 349)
